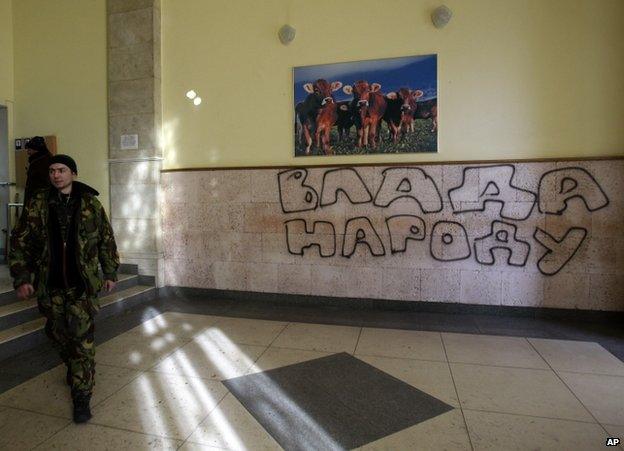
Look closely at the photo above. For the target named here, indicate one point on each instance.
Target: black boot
(82, 412)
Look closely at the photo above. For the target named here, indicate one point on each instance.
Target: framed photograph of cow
(367, 107)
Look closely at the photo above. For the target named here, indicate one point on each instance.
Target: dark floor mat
(335, 402)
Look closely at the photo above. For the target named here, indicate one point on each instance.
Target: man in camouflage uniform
(63, 235)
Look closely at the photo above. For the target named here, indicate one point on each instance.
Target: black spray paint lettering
(502, 237)
(360, 231)
(346, 180)
(294, 194)
(558, 186)
(402, 228)
(322, 235)
(411, 183)
(493, 184)
(558, 252)
(449, 242)
(448, 239)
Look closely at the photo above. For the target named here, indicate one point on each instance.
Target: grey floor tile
(444, 432)
(136, 351)
(408, 344)
(492, 350)
(48, 394)
(210, 357)
(578, 356)
(21, 430)
(161, 404)
(100, 438)
(516, 390)
(231, 426)
(255, 332)
(318, 337)
(497, 431)
(602, 395)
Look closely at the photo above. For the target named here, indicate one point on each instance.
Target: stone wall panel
(243, 229)
(481, 287)
(130, 28)
(522, 289)
(131, 97)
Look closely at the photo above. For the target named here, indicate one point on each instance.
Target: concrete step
(7, 293)
(21, 311)
(30, 333)
(124, 281)
(18, 312)
(128, 268)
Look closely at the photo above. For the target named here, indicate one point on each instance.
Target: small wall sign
(129, 142)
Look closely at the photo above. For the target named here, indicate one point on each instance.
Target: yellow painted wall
(6, 51)
(6, 75)
(517, 78)
(60, 81)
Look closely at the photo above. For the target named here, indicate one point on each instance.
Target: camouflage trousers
(70, 327)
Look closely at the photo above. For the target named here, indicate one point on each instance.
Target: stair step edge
(23, 329)
(23, 305)
(124, 294)
(17, 307)
(32, 326)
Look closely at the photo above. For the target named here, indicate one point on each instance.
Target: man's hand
(109, 285)
(25, 290)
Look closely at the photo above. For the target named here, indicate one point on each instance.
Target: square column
(134, 130)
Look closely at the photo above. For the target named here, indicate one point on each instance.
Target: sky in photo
(414, 72)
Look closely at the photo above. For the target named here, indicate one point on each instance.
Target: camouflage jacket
(95, 243)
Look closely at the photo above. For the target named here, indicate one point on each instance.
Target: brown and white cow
(309, 114)
(328, 115)
(368, 106)
(408, 100)
(402, 106)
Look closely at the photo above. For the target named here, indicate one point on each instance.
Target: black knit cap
(66, 160)
(37, 143)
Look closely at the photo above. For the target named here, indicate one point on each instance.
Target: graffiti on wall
(448, 240)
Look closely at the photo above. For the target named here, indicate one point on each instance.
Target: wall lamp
(286, 34)
(441, 16)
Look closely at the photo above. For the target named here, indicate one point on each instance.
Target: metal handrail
(17, 206)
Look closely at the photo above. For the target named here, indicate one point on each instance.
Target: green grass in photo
(422, 139)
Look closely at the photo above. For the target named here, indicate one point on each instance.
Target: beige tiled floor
(159, 387)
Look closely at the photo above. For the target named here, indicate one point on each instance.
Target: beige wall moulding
(401, 163)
